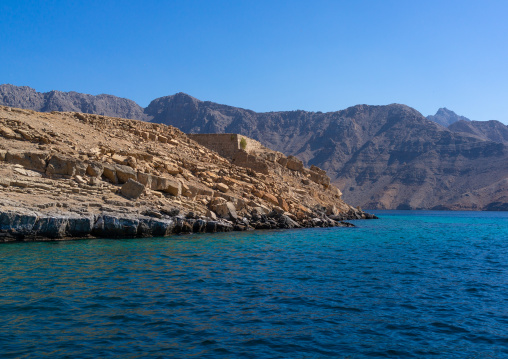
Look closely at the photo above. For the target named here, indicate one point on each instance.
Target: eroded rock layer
(68, 174)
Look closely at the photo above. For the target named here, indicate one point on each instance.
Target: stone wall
(255, 156)
(226, 144)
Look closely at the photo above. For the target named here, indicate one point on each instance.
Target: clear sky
(266, 55)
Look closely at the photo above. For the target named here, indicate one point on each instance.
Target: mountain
(381, 157)
(446, 117)
(106, 105)
(486, 130)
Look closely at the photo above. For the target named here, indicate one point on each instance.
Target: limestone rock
(211, 215)
(132, 189)
(5, 182)
(109, 172)
(64, 165)
(171, 169)
(146, 179)
(7, 132)
(294, 164)
(95, 169)
(283, 204)
(168, 185)
(226, 210)
(124, 173)
(34, 160)
(270, 198)
(222, 187)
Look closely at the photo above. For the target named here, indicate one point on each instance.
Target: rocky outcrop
(32, 225)
(72, 175)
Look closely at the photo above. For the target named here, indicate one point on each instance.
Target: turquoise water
(409, 285)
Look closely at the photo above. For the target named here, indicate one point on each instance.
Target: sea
(412, 284)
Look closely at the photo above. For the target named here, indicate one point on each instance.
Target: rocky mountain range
(381, 157)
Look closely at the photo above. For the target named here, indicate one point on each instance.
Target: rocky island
(74, 175)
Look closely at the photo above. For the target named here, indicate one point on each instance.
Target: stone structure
(253, 155)
(227, 144)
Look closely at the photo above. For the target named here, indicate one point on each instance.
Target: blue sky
(266, 55)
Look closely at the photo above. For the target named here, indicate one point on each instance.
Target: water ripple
(410, 285)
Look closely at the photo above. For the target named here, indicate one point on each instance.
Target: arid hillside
(77, 175)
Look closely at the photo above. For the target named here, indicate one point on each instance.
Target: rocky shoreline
(73, 175)
(36, 226)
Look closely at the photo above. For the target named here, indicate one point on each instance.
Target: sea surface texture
(409, 285)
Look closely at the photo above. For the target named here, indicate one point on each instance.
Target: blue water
(409, 285)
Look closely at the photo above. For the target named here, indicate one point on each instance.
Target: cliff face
(77, 175)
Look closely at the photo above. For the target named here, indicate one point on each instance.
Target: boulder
(171, 169)
(2, 155)
(64, 165)
(317, 170)
(286, 222)
(283, 161)
(7, 132)
(211, 215)
(124, 173)
(283, 204)
(294, 164)
(320, 178)
(132, 189)
(34, 160)
(109, 172)
(186, 191)
(168, 185)
(95, 169)
(260, 210)
(5, 182)
(331, 210)
(146, 179)
(119, 159)
(222, 187)
(223, 208)
(80, 179)
(271, 198)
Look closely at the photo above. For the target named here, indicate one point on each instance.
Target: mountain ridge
(381, 157)
(446, 117)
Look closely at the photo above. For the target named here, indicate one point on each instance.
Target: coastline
(73, 175)
(29, 225)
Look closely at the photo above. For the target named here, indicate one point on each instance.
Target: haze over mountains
(383, 157)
